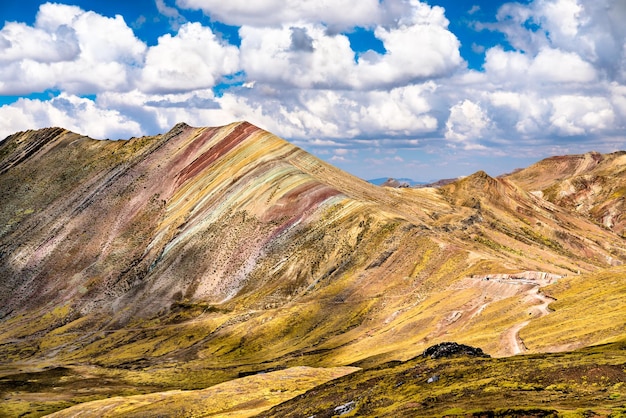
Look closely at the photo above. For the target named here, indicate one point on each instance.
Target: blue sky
(399, 88)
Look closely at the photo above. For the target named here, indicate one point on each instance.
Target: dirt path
(493, 288)
(511, 337)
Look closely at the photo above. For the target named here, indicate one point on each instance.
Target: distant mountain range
(224, 271)
(401, 181)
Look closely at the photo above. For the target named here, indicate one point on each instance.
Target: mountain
(205, 256)
(391, 182)
(591, 184)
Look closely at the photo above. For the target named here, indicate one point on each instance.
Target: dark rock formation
(451, 349)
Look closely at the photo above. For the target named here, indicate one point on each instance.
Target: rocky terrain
(130, 270)
(591, 184)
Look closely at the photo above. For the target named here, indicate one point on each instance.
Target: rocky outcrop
(591, 184)
(452, 349)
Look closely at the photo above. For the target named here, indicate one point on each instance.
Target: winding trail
(512, 337)
(514, 341)
(524, 287)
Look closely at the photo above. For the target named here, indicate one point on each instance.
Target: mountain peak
(479, 176)
(480, 181)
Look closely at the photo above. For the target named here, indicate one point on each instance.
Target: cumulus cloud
(53, 15)
(418, 46)
(157, 112)
(593, 30)
(420, 49)
(68, 49)
(576, 115)
(534, 115)
(556, 66)
(339, 14)
(323, 113)
(193, 59)
(22, 42)
(563, 76)
(467, 123)
(549, 65)
(268, 55)
(70, 112)
(525, 113)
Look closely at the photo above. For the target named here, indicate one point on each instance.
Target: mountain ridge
(225, 251)
(591, 184)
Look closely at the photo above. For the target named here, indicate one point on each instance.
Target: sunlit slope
(588, 382)
(591, 184)
(183, 260)
(239, 398)
(234, 222)
(170, 227)
(587, 309)
(508, 219)
(100, 220)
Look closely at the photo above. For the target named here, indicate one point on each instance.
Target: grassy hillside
(589, 382)
(587, 309)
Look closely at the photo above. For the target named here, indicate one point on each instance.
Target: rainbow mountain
(205, 256)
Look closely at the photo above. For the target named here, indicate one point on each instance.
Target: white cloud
(555, 66)
(466, 124)
(22, 42)
(560, 18)
(592, 29)
(67, 111)
(104, 39)
(538, 116)
(68, 49)
(565, 75)
(527, 113)
(420, 50)
(306, 114)
(548, 66)
(580, 115)
(193, 59)
(506, 66)
(159, 112)
(267, 56)
(404, 110)
(418, 46)
(339, 14)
